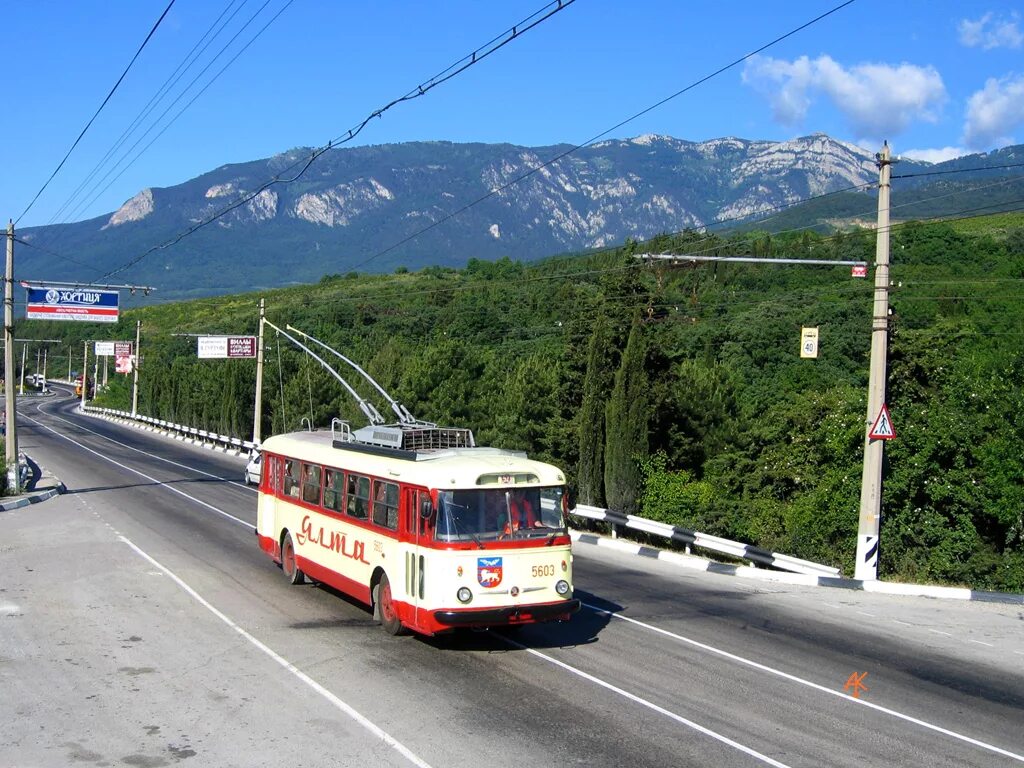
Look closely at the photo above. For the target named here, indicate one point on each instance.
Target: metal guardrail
(706, 541)
(192, 434)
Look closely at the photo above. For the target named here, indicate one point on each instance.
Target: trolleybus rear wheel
(291, 569)
(388, 615)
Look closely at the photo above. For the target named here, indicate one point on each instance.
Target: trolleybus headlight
(465, 595)
(562, 587)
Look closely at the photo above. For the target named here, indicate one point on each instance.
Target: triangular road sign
(883, 429)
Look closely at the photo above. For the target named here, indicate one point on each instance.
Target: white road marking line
(809, 684)
(650, 705)
(865, 613)
(139, 450)
(125, 467)
(979, 642)
(905, 624)
(940, 632)
(362, 720)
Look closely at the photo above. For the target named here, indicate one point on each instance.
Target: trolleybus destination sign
(83, 304)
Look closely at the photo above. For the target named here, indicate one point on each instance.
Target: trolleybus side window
(311, 483)
(291, 477)
(385, 504)
(334, 489)
(358, 501)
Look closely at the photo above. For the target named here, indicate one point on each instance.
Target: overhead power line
(100, 109)
(958, 170)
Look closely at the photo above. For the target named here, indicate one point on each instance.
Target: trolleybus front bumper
(512, 614)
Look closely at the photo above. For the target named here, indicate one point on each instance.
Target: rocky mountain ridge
(444, 203)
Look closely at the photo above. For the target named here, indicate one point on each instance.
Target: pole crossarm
(102, 286)
(682, 257)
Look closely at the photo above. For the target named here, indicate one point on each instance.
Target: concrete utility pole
(871, 483)
(135, 369)
(257, 408)
(85, 371)
(11, 434)
(24, 347)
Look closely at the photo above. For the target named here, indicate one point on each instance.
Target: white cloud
(935, 155)
(995, 111)
(876, 99)
(990, 32)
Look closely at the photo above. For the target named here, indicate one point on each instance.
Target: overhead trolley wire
(186, 63)
(100, 109)
(458, 67)
(190, 101)
(604, 133)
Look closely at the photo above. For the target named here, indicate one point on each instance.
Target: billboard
(123, 359)
(210, 347)
(77, 304)
(104, 349)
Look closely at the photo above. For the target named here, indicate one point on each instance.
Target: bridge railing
(705, 541)
(193, 435)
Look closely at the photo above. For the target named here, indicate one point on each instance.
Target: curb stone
(46, 487)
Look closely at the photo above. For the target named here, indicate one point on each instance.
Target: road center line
(338, 703)
(137, 450)
(809, 684)
(125, 467)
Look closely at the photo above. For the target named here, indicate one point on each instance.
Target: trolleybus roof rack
(409, 441)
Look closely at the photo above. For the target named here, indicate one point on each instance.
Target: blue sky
(936, 79)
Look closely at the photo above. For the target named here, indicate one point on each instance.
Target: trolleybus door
(418, 528)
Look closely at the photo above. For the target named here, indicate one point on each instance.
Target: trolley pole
(10, 431)
(871, 483)
(135, 369)
(257, 408)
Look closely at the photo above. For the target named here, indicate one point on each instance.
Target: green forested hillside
(677, 392)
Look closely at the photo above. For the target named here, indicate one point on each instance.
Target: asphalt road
(140, 625)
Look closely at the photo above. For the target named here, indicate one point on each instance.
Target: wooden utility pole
(866, 567)
(11, 434)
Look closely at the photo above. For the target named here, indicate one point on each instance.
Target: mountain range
(411, 205)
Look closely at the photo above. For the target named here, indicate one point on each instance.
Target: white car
(253, 468)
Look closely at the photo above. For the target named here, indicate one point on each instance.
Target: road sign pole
(869, 527)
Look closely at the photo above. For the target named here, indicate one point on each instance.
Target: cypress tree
(626, 421)
(590, 475)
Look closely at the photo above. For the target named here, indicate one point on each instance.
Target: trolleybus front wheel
(291, 569)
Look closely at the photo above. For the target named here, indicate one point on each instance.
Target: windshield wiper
(455, 525)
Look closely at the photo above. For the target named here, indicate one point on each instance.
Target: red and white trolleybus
(431, 531)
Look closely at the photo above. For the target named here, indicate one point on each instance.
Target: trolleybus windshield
(479, 515)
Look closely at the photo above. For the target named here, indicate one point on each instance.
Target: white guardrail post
(193, 435)
(705, 541)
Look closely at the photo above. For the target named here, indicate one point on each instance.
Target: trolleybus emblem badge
(488, 571)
